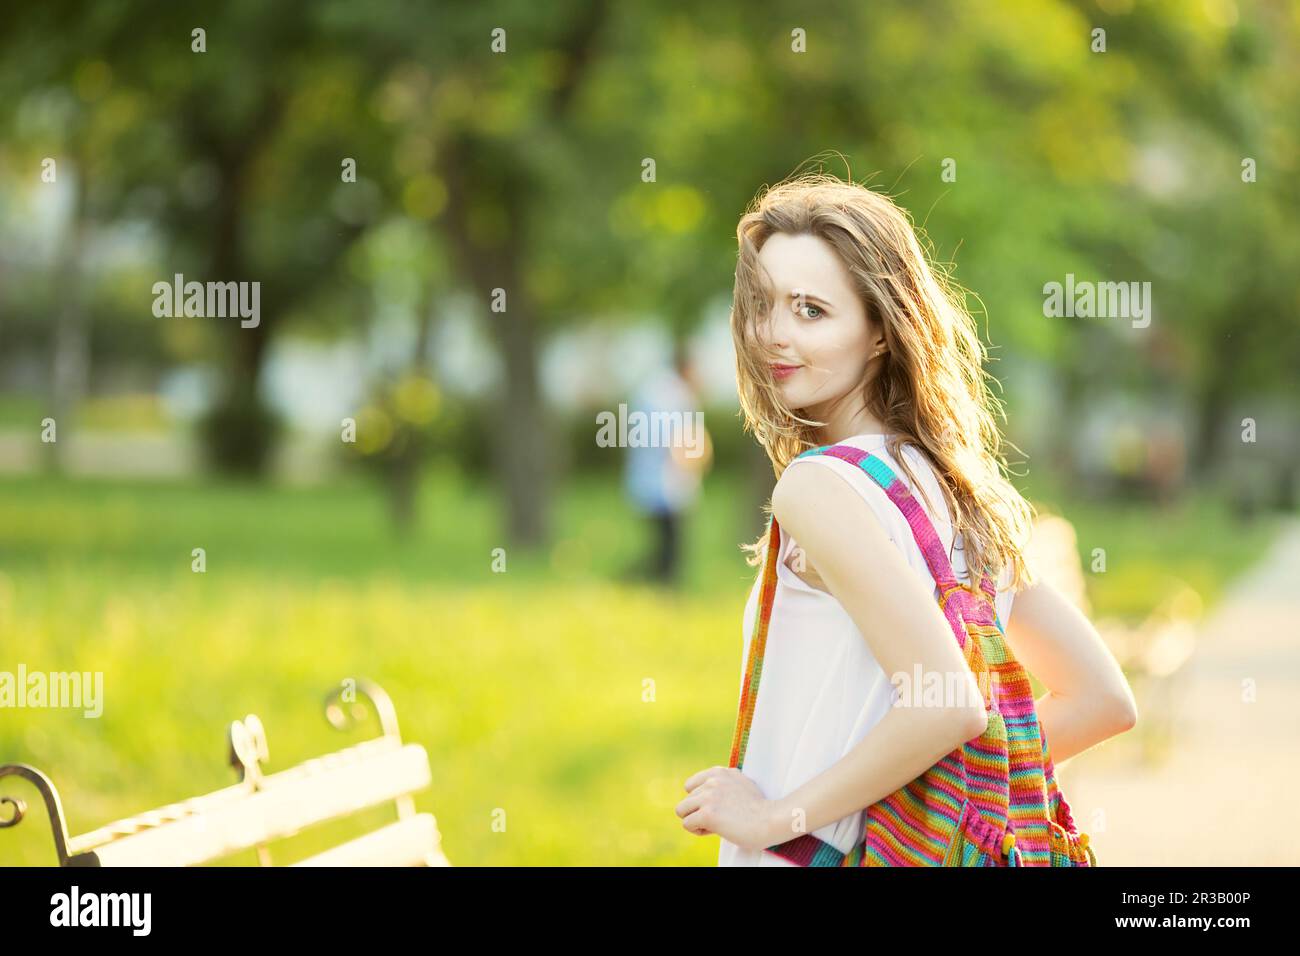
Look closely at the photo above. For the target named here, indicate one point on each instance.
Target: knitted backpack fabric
(994, 800)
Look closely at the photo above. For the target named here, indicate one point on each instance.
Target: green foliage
(1123, 164)
(403, 421)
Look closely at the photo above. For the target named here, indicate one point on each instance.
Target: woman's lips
(781, 372)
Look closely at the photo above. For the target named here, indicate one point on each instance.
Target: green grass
(343, 529)
(575, 704)
(530, 702)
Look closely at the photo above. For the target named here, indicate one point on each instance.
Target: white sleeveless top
(822, 690)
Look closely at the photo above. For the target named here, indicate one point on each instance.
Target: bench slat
(412, 842)
(208, 802)
(315, 791)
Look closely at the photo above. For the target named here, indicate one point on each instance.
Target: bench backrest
(262, 808)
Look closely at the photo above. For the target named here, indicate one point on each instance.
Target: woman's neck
(840, 425)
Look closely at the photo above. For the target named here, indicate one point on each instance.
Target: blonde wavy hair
(931, 390)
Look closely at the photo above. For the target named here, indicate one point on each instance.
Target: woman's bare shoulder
(820, 500)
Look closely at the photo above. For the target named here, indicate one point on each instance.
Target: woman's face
(819, 326)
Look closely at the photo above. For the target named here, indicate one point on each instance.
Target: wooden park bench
(264, 807)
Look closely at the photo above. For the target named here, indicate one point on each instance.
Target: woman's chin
(792, 394)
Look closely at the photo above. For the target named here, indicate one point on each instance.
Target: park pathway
(1225, 792)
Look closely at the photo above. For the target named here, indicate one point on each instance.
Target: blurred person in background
(664, 481)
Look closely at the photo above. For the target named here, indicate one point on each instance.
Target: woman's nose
(777, 330)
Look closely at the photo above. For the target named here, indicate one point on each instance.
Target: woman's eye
(809, 305)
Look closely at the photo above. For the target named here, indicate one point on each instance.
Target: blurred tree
(226, 148)
(591, 160)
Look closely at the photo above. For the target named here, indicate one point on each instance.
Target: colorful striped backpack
(991, 802)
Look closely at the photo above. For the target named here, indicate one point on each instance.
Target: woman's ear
(878, 345)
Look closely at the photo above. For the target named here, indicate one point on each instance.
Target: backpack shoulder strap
(927, 539)
(757, 646)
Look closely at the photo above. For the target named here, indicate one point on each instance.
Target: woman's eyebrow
(808, 295)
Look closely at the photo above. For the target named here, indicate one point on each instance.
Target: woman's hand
(723, 801)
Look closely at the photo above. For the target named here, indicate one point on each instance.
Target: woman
(845, 335)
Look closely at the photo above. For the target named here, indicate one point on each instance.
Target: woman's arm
(1088, 699)
(899, 618)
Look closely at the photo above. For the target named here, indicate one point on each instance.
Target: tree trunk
(1214, 400)
(522, 451)
(70, 348)
(239, 432)
(405, 470)
(521, 448)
